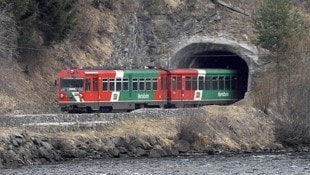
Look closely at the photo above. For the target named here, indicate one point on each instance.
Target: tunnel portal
(229, 55)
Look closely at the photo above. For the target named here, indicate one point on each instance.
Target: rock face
(156, 32)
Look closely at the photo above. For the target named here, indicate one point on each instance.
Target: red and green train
(89, 90)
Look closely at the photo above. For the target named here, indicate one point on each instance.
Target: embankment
(37, 139)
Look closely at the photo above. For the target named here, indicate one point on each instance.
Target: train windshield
(71, 84)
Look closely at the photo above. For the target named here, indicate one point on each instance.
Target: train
(101, 90)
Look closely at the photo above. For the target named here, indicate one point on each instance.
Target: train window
(141, 84)
(174, 83)
(95, 84)
(214, 83)
(112, 84)
(201, 83)
(179, 83)
(188, 81)
(221, 83)
(208, 83)
(227, 83)
(135, 84)
(194, 83)
(118, 84)
(69, 84)
(154, 81)
(234, 82)
(87, 84)
(148, 84)
(125, 84)
(105, 84)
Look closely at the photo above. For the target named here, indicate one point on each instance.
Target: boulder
(157, 152)
(108, 142)
(113, 152)
(136, 142)
(121, 141)
(47, 145)
(183, 146)
(122, 150)
(172, 151)
(131, 148)
(10, 156)
(65, 144)
(74, 153)
(15, 142)
(44, 153)
(141, 152)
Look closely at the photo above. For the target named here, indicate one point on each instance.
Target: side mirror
(55, 83)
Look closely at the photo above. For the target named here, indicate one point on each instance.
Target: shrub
(263, 93)
(191, 127)
(293, 127)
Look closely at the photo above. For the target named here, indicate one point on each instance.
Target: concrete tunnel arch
(218, 53)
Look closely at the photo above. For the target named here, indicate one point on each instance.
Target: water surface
(254, 164)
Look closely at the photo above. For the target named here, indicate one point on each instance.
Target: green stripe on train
(139, 95)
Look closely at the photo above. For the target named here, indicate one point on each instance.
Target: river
(253, 164)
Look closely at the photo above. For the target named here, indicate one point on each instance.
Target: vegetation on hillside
(280, 30)
(40, 22)
(8, 33)
(274, 22)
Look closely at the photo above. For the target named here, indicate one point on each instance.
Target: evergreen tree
(275, 22)
(58, 18)
(26, 14)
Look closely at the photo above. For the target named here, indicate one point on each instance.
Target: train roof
(207, 70)
(155, 71)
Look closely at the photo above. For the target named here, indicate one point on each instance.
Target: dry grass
(165, 129)
(173, 4)
(145, 127)
(263, 93)
(235, 126)
(6, 131)
(6, 103)
(229, 127)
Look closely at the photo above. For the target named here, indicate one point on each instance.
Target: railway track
(65, 122)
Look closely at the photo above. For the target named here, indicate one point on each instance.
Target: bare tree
(8, 34)
(293, 127)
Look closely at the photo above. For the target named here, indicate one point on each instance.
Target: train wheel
(89, 110)
(105, 109)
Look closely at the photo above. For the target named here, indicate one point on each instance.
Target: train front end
(71, 87)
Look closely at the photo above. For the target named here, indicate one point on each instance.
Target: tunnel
(220, 53)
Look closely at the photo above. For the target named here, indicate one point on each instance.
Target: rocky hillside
(120, 34)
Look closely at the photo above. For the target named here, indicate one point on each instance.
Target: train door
(91, 93)
(177, 93)
(95, 86)
(190, 88)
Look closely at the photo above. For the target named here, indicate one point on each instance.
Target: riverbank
(142, 133)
